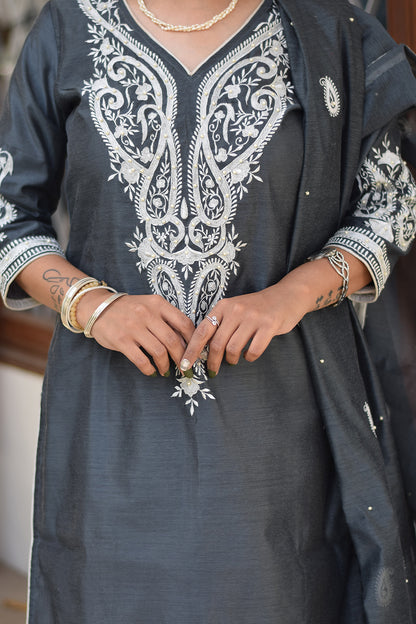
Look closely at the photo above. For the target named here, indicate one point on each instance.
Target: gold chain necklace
(165, 26)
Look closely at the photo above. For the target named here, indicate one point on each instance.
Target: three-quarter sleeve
(382, 222)
(32, 154)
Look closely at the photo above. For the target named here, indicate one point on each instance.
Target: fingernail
(154, 374)
(188, 373)
(211, 374)
(167, 374)
(185, 365)
(231, 364)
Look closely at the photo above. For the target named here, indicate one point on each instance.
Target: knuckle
(253, 354)
(215, 347)
(232, 350)
(171, 341)
(238, 307)
(202, 331)
(159, 352)
(141, 362)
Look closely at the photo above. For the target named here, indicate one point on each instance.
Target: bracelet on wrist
(98, 311)
(341, 267)
(75, 302)
(72, 297)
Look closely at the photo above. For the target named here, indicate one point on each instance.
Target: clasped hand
(148, 330)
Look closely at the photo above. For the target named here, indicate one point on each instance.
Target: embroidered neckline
(185, 241)
(254, 14)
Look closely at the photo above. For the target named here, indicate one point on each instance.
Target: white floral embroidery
(331, 96)
(388, 196)
(385, 215)
(8, 214)
(7, 211)
(185, 240)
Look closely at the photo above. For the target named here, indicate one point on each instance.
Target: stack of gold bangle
(72, 298)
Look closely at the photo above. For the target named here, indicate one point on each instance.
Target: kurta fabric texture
(272, 492)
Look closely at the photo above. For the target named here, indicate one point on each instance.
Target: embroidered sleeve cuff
(372, 251)
(14, 257)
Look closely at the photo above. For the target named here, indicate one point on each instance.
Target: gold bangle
(94, 316)
(68, 298)
(75, 301)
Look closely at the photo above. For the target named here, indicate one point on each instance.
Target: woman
(202, 169)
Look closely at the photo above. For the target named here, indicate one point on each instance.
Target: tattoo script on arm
(59, 284)
(324, 301)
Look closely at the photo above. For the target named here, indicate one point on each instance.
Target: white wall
(19, 421)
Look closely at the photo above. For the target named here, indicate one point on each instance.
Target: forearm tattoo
(331, 298)
(57, 289)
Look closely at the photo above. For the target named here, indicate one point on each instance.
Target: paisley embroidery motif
(331, 96)
(185, 240)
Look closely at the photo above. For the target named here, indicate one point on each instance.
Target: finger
(228, 342)
(178, 321)
(219, 343)
(157, 351)
(200, 337)
(259, 344)
(139, 359)
(171, 339)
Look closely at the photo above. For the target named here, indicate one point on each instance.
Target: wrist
(88, 303)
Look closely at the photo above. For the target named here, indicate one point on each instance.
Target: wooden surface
(401, 20)
(25, 338)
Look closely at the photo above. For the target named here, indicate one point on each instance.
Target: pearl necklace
(165, 26)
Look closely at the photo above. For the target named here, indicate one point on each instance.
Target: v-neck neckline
(190, 74)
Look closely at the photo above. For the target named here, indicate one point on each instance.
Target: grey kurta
(243, 498)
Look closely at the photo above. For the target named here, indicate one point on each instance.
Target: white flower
(106, 48)
(157, 202)
(145, 252)
(190, 386)
(213, 202)
(280, 87)
(250, 131)
(240, 172)
(233, 91)
(276, 48)
(143, 90)
(161, 183)
(221, 155)
(130, 172)
(219, 115)
(146, 155)
(227, 252)
(120, 131)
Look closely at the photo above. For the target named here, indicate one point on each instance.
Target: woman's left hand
(271, 312)
(257, 317)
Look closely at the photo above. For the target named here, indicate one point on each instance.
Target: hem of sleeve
(14, 257)
(370, 249)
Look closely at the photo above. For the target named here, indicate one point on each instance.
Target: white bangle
(94, 316)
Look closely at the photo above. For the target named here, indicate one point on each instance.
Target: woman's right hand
(135, 324)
